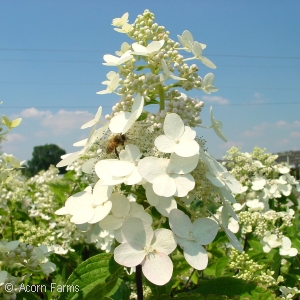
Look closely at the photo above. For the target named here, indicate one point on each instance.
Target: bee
(114, 142)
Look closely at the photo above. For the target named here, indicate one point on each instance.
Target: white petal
(195, 255)
(152, 198)
(207, 62)
(88, 166)
(158, 268)
(121, 168)
(164, 185)
(143, 216)
(138, 232)
(118, 122)
(165, 144)
(138, 104)
(152, 167)
(173, 126)
(128, 256)
(12, 245)
(165, 205)
(100, 212)
(182, 165)
(62, 211)
(180, 223)
(214, 180)
(131, 153)
(233, 240)
(186, 148)
(205, 230)
(164, 241)
(133, 178)
(155, 46)
(184, 184)
(67, 159)
(217, 126)
(3, 276)
(110, 222)
(101, 192)
(189, 133)
(120, 205)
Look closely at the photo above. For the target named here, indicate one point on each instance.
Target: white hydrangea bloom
(270, 241)
(177, 138)
(286, 247)
(191, 236)
(119, 22)
(42, 252)
(122, 122)
(258, 183)
(187, 41)
(95, 121)
(197, 51)
(115, 171)
(152, 48)
(112, 84)
(169, 176)
(163, 204)
(111, 60)
(167, 74)
(148, 248)
(124, 48)
(121, 210)
(8, 246)
(218, 174)
(255, 205)
(207, 85)
(217, 126)
(87, 206)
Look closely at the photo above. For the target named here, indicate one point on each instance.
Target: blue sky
(51, 55)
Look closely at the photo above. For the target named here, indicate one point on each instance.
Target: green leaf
(152, 101)
(276, 263)
(27, 296)
(120, 291)
(143, 116)
(93, 279)
(160, 290)
(182, 296)
(220, 266)
(227, 286)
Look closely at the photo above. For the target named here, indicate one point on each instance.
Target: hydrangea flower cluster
(141, 161)
(265, 207)
(14, 255)
(260, 184)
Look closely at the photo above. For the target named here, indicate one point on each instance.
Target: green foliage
(43, 157)
(94, 278)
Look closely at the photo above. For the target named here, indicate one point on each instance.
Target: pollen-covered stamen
(191, 236)
(150, 251)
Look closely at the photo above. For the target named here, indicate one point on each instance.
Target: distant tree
(43, 157)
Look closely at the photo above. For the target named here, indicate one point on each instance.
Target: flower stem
(139, 283)
(161, 93)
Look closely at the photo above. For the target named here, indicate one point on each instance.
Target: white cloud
(34, 113)
(259, 98)
(216, 99)
(63, 121)
(14, 137)
(230, 144)
(295, 134)
(257, 130)
(281, 123)
(284, 141)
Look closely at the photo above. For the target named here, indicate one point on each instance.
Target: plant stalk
(139, 282)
